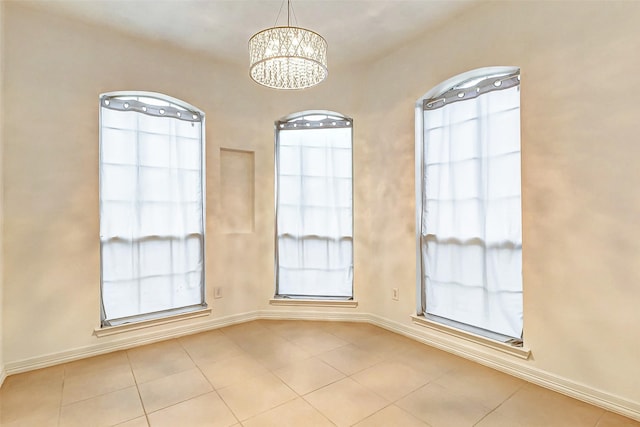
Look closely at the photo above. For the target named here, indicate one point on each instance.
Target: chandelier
(287, 57)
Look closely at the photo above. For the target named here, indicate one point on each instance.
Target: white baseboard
(3, 375)
(124, 343)
(451, 344)
(510, 365)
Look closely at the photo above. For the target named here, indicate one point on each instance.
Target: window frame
(446, 92)
(175, 312)
(331, 119)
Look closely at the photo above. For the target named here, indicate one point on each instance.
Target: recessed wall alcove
(579, 183)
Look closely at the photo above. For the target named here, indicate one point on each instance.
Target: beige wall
(1, 184)
(55, 70)
(579, 175)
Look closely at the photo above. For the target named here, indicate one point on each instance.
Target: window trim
(468, 333)
(452, 327)
(333, 119)
(193, 312)
(178, 312)
(313, 302)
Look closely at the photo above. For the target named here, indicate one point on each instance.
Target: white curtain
(471, 212)
(151, 210)
(314, 212)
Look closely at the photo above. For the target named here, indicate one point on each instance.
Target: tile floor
(286, 373)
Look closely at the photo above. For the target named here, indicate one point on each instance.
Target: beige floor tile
(429, 386)
(206, 410)
(208, 347)
(172, 389)
(47, 376)
(136, 422)
(346, 402)
(386, 344)
(96, 365)
(391, 380)
(158, 360)
(350, 359)
(232, 371)
(267, 341)
(487, 386)
(279, 355)
(256, 395)
(293, 330)
(315, 342)
(353, 332)
(391, 416)
(91, 383)
(320, 325)
(438, 407)
(536, 406)
(294, 413)
(23, 397)
(496, 419)
(245, 331)
(431, 362)
(105, 410)
(276, 324)
(609, 419)
(47, 417)
(308, 375)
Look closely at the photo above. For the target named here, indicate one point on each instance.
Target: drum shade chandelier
(287, 57)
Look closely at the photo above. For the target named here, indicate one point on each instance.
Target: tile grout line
(600, 418)
(318, 410)
(500, 404)
(379, 348)
(64, 377)
(272, 372)
(214, 389)
(135, 381)
(302, 396)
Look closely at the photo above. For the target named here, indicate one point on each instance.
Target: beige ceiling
(355, 30)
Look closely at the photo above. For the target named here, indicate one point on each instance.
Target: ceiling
(355, 30)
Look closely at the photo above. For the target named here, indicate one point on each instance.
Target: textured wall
(580, 176)
(1, 184)
(579, 115)
(237, 189)
(56, 68)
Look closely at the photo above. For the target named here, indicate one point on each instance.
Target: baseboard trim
(3, 375)
(124, 343)
(451, 344)
(508, 365)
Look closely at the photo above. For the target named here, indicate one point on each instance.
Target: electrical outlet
(394, 293)
(217, 292)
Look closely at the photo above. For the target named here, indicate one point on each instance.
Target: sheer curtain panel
(314, 229)
(470, 240)
(151, 206)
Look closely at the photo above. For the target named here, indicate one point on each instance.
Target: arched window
(151, 206)
(314, 214)
(469, 225)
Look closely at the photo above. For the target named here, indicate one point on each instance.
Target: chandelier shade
(287, 58)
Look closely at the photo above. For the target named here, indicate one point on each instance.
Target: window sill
(521, 352)
(348, 303)
(127, 327)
